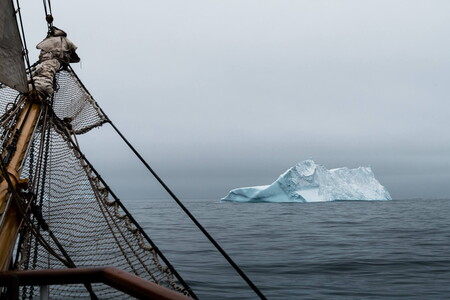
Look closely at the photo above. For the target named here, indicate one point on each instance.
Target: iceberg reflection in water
(310, 182)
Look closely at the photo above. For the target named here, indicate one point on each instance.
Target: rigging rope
(25, 48)
(45, 7)
(80, 211)
(135, 223)
(24, 213)
(183, 207)
(196, 222)
(48, 14)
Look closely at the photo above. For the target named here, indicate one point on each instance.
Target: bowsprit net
(76, 220)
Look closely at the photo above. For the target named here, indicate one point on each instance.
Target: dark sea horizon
(398, 249)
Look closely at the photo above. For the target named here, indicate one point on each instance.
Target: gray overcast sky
(223, 94)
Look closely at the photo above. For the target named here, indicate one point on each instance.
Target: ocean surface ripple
(330, 250)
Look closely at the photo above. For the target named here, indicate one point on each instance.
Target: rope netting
(87, 225)
(73, 103)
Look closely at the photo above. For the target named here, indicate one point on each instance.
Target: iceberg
(311, 182)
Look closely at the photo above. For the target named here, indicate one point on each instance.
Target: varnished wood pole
(10, 216)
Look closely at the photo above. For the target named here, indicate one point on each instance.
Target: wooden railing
(115, 278)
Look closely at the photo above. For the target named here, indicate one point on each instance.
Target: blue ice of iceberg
(310, 182)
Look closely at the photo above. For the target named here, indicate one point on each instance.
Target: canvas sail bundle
(12, 67)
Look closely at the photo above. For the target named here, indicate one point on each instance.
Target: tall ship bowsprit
(64, 234)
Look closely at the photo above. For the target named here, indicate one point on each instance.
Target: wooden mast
(10, 217)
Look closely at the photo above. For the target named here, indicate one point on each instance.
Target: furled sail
(12, 67)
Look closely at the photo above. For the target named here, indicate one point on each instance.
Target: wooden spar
(11, 217)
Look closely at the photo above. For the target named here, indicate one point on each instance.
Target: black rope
(48, 15)
(58, 123)
(45, 7)
(23, 211)
(50, 7)
(25, 48)
(12, 147)
(174, 197)
(196, 222)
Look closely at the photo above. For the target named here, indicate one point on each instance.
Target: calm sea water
(332, 250)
